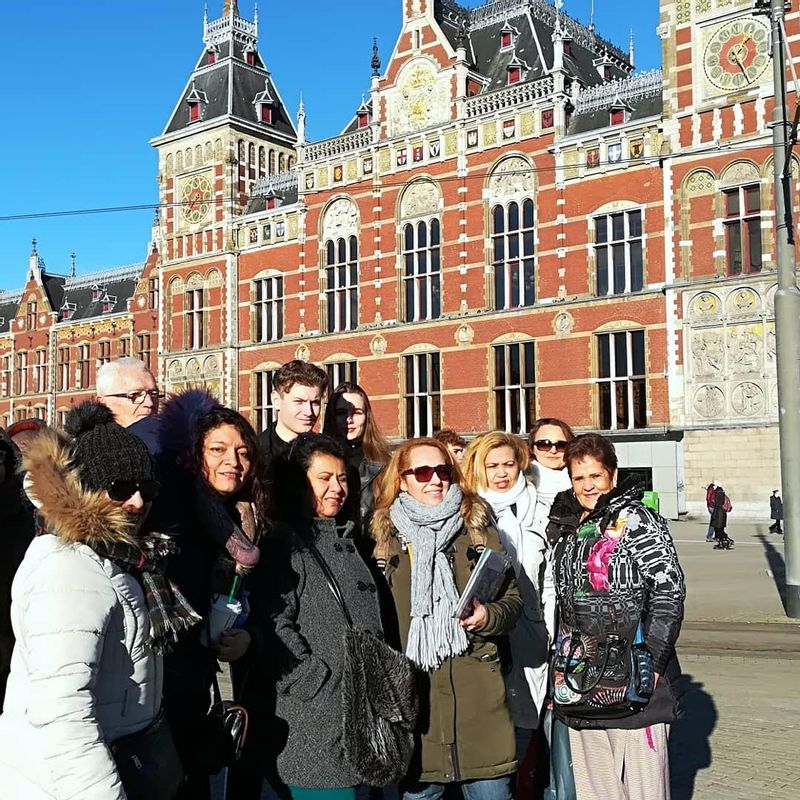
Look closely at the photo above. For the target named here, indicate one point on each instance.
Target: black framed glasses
(120, 491)
(545, 445)
(137, 398)
(424, 474)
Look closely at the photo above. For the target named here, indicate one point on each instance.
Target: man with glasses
(129, 390)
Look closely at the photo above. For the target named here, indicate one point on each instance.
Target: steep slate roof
(230, 85)
(119, 283)
(640, 95)
(283, 185)
(9, 303)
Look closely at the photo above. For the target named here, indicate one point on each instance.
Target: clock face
(736, 54)
(196, 199)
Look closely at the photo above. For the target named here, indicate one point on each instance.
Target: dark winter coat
(719, 516)
(298, 634)
(465, 729)
(272, 448)
(646, 583)
(776, 508)
(17, 524)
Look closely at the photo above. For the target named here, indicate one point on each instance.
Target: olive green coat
(465, 730)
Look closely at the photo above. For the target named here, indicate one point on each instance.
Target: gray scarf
(434, 634)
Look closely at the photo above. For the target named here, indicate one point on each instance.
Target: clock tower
(228, 129)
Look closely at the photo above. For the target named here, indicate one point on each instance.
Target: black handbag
(226, 732)
(148, 763)
(379, 699)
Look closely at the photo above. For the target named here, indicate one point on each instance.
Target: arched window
(513, 254)
(422, 274)
(341, 283)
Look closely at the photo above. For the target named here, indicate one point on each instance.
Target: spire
(591, 17)
(255, 16)
(630, 49)
(72, 264)
(301, 121)
(205, 16)
(230, 9)
(34, 251)
(376, 59)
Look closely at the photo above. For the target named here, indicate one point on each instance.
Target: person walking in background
(719, 519)
(93, 613)
(620, 589)
(711, 492)
(494, 467)
(776, 511)
(223, 501)
(297, 390)
(455, 444)
(429, 532)
(349, 420)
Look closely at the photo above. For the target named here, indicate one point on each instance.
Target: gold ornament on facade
(450, 143)
(705, 305)
(490, 134)
(527, 123)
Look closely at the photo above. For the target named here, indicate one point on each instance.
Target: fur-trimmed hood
(474, 510)
(70, 511)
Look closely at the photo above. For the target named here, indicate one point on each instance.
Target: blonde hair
(391, 479)
(474, 463)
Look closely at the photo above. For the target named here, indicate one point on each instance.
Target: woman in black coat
(298, 632)
(719, 519)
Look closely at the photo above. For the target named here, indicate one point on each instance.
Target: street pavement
(740, 736)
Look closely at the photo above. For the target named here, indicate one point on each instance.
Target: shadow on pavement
(689, 739)
(776, 565)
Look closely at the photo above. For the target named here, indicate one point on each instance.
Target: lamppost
(787, 310)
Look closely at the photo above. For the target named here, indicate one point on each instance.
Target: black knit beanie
(103, 450)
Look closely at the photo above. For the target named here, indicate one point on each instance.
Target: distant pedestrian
(776, 512)
(719, 519)
(710, 494)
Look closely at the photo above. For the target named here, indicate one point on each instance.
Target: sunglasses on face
(120, 491)
(545, 445)
(425, 474)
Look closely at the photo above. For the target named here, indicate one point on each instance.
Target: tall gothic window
(621, 380)
(743, 229)
(40, 372)
(513, 254)
(422, 270)
(341, 372)
(514, 387)
(262, 399)
(423, 403)
(341, 284)
(143, 352)
(64, 369)
(268, 309)
(83, 366)
(618, 251)
(195, 319)
(21, 373)
(103, 353)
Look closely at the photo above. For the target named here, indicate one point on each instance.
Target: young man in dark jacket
(776, 512)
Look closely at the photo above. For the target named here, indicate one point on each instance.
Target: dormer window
(194, 111)
(194, 101)
(473, 87)
(95, 293)
(108, 303)
(507, 37)
(272, 203)
(250, 56)
(265, 105)
(567, 47)
(67, 310)
(265, 113)
(363, 119)
(617, 116)
(608, 73)
(514, 74)
(212, 56)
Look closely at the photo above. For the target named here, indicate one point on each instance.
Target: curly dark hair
(292, 495)
(256, 488)
(591, 445)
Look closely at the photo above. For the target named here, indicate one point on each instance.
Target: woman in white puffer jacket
(86, 668)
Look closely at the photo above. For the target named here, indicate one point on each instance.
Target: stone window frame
(514, 400)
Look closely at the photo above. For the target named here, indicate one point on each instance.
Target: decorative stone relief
(744, 349)
(465, 334)
(420, 199)
(772, 345)
(740, 172)
(747, 399)
(450, 143)
(684, 12)
(421, 99)
(193, 369)
(511, 178)
(526, 123)
(194, 281)
(707, 354)
(351, 169)
(384, 160)
(773, 398)
(302, 353)
(700, 183)
(378, 345)
(744, 302)
(709, 401)
(490, 134)
(175, 370)
(705, 305)
(214, 279)
(563, 323)
(341, 219)
(212, 367)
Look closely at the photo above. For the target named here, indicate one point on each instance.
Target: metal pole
(787, 320)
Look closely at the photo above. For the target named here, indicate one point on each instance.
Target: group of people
(142, 519)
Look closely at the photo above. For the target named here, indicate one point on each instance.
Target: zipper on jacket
(454, 746)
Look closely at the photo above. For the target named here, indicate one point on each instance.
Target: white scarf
(548, 483)
(511, 525)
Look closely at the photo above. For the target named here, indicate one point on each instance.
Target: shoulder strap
(331, 580)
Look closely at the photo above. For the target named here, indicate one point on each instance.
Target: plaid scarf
(168, 609)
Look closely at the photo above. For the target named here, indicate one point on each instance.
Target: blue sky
(94, 80)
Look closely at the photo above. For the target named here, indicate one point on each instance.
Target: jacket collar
(70, 511)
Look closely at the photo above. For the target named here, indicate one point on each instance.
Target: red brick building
(514, 224)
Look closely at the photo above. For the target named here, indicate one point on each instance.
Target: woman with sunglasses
(222, 502)
(494, 466)
(349, 420)
(92, 612)
(298, 631)
(429, 532)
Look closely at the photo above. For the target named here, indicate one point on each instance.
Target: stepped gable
(99, 293)
(229, 74)
(640, 95)
(534, 23)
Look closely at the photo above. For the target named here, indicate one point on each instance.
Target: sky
(94, 80)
